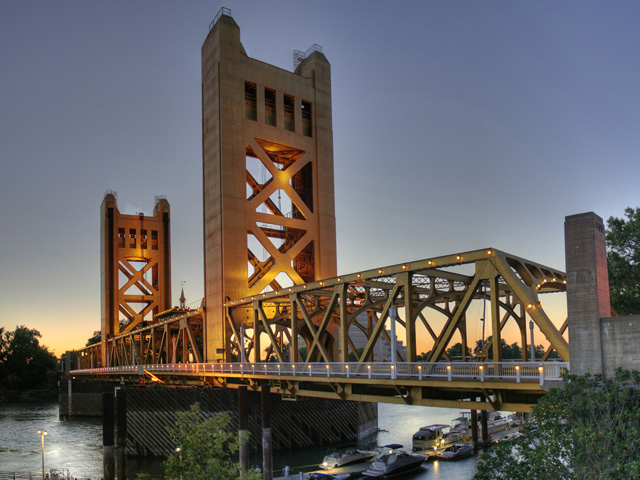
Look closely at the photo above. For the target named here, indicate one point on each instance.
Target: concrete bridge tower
(268, 190)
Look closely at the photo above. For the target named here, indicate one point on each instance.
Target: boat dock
(353, 471)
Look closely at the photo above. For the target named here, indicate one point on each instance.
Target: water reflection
(76, 444)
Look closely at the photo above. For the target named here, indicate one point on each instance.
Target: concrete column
(267, 454)
(587, 290)
(121, 440)
(108, 460)
(243, 449)
(474, 428)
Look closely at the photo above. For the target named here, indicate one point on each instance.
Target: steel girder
(179, 338)
(323, 312)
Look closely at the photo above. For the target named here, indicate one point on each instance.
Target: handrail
(473, 371)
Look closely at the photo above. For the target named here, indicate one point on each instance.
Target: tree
(455, 352)
(207, 446)
(623, 258)
(588, 429)
(26, 361)
(95, 338)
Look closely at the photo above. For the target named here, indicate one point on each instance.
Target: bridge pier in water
(297, 424)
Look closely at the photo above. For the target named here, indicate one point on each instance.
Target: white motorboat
(346, 457)
(455, 452)
(392, 461)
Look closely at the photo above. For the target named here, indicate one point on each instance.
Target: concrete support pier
(108, 458)
(587, 290)
(243, 433)
(267, 451)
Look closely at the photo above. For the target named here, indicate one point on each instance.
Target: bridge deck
(504, 385)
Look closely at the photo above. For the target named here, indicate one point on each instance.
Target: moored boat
(392, 461)
(455, 452)
(346, 457)
(430, 436)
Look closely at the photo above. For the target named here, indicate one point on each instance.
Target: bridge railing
(482, 371)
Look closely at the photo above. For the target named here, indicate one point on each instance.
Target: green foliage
(623, 258)
(24, 362)
(509, 352)
(207, 446)
(455, 352)
(589, 429)
(95, 338)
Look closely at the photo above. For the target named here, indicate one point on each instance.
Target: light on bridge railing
(448, 367)
(346, 367)
(369, 367)
(419, 367)
(327, 367)
(481, 367)
(540, 369)
(489, 252)
(392, 367)
(517, 367)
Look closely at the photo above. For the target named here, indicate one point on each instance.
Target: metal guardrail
(472, 371)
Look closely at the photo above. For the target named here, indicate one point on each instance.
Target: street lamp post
(42, 433)
(179, 450)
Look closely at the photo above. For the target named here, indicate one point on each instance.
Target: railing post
(449, 372)
(369, 370)
(419, 372)
(482, 373)
(517, 373)
(541, 372)
(327, 369)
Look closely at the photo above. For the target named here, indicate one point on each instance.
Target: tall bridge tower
(268, 190)
(135, 267)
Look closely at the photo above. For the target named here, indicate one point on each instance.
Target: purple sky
(457, 125)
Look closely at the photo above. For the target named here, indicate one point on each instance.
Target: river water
(77, 444)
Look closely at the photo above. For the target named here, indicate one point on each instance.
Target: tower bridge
(275, 312)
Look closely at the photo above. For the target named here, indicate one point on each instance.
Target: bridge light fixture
(517, 367)
(404, 267)
(564, 281)
(530, 306)
(321, 283)
(419, 367)
(369, 367)
(553, 279)
(540, 369)
(304, 287)
(380, 271)
(392, 367)
(429, 262)
(359, 275)
(448, 367)
(326, 366)
(489, 252)
(458, 257)
(346, 367)
(339, 279)
(481, 367)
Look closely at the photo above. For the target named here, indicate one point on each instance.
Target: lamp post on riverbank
(42, 433)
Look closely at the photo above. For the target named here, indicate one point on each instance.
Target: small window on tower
(250, 102)
(269, 106)
(154, 239)
(306, 119)
(132, 238)
(289, 114)
(121, 238)
(143, 239)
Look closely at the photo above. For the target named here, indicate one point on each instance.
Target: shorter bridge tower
(135, 267)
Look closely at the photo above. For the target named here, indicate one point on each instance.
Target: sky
(457, 125)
